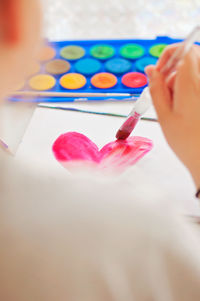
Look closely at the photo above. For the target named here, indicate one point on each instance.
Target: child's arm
(177, 102)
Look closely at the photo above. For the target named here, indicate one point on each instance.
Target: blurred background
(96, 19)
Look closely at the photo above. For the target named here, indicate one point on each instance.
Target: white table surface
(67, 19)
(160, 168)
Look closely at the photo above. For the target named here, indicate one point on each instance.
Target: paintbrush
(67, 94)
(35, 96)
(141, 106)
(144, 101)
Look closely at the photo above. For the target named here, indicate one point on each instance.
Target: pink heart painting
(75, 149)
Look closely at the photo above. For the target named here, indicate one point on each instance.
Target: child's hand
(177, 102)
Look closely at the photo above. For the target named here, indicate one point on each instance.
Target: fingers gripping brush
(144, 102)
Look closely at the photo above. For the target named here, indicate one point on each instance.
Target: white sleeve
(90, 240)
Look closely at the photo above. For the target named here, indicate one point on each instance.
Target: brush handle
(181, 51)
(143, 103)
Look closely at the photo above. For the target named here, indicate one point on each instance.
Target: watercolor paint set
(70, 71)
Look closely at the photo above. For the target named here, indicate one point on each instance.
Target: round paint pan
(132, 51)
(42, 82)
(73, 81)
(47, 53)
(142, 63)
(88, 66)
(102, 52)
(72, 52)
(104, 80)
(57, 67)
(118, 66)
(134, 80)
(157, 50)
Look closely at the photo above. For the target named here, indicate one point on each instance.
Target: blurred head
(20, 23)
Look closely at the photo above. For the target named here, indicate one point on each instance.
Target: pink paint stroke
(74, 147)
